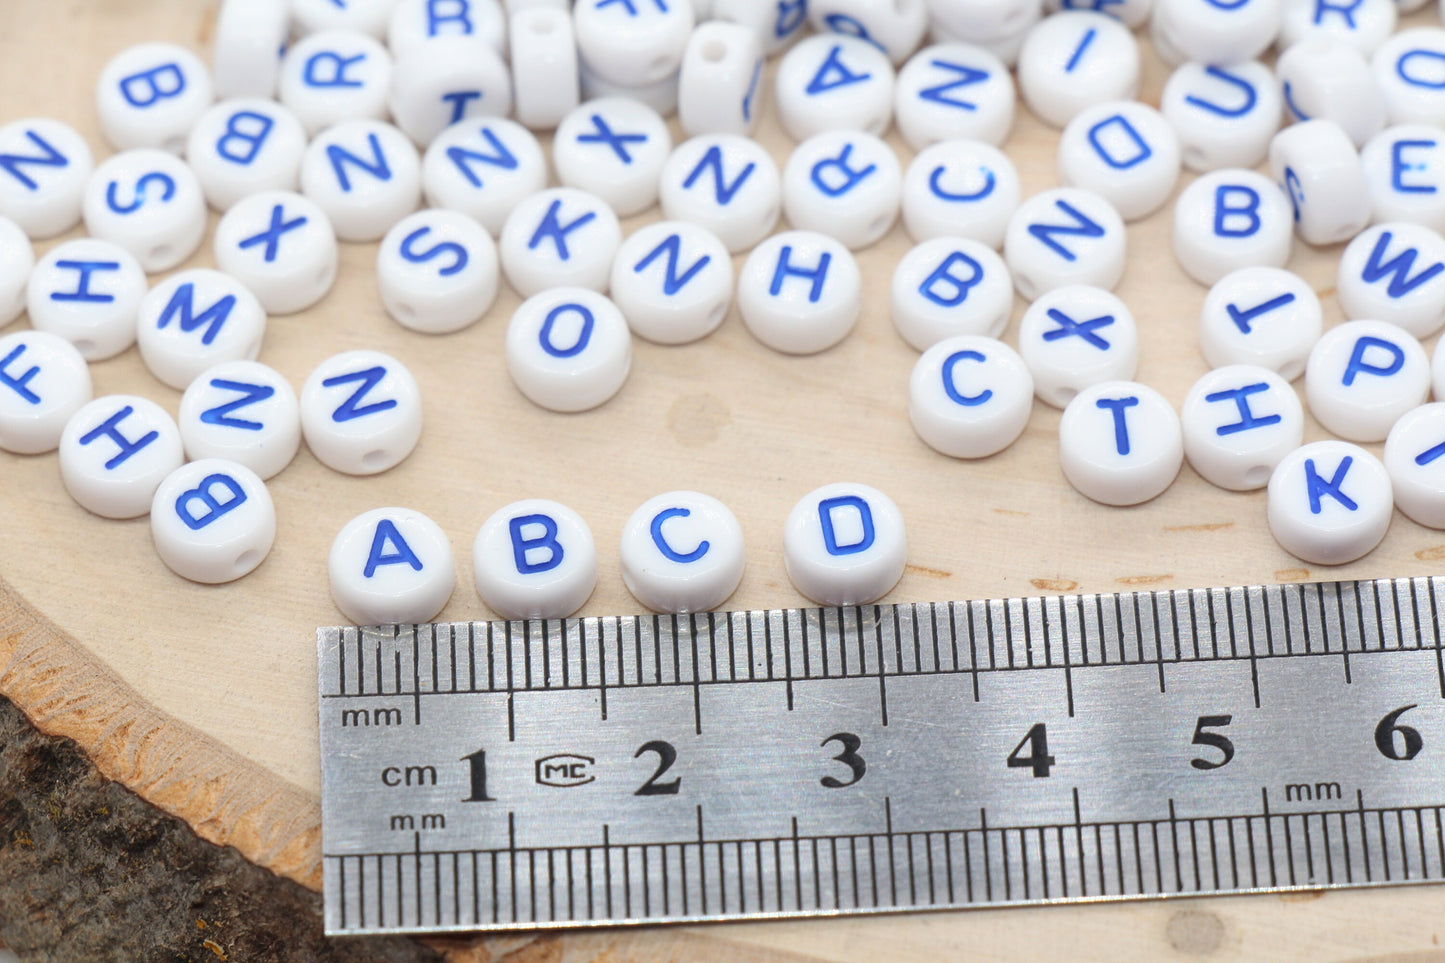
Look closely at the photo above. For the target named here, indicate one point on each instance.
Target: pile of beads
(385, 104)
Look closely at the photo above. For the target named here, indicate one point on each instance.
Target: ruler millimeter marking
(878, 758)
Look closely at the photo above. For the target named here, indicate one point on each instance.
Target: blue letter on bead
(82, 290)
(557, 231)
(951, 389)
(671, 282)
(459, 99)
(1138, 153)
(435, 17)
(18, 385)
(10, 163)
(1069, 328)
(1398, 166)
(830, 537)
(521, 545)
(1357, 362)
(584, 333)
(251, 138)
(942, 276)
(313, 76)
(109, 429)
(966, 75)
(461, 157)
(1117, 407)
(1398, 267)
(271, 237)
(935, 185)
(386, 534)
(602, 133)
(167, 188)
(1247, 418)
(850, 26)
(785, 267)
(1082, 226)
(790, 17)
(340, 157)
(183, 303)
(1250, 96)
(458, 253)
(1317, 486)
(1243, 318)
(832, 73)
(250, 395)
(369, 378)
(1346, 11)
(850, 177)
(1078, 54)
(722, 190)
(164, 81)
(214, 507)
(668, 552)
(1434, 59)
(1430, 454)
(1224, 210)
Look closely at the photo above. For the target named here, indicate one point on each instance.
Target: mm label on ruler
(884, 757)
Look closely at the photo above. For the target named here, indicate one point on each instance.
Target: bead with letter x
(605, 135)
(1069, 328)
(627, 4)
(271, 237)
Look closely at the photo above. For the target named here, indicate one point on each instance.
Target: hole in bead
(85, 346)
(1194, 158)
(252, 350)
(714, 50)
(247, 560)
(878, 226)
(715, 318)
(162, 253)
(406, 314)
(1257, 477)
(1026, 287)
(1292, 370)
(1066, 395)
(660, 68)
(175, 145)
(374, 460)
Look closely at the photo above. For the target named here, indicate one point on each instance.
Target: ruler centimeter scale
(799, 762)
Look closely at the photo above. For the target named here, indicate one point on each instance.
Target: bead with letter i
(1075, 59)
(1262, 316)
(1415, 458)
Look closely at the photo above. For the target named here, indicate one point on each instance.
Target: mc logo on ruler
(883, 757)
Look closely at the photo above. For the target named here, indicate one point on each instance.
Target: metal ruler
(884, 757)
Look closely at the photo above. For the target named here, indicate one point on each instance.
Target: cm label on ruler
(1206, 716)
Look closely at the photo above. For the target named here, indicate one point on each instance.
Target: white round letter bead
(1076, 59)
(1395, 273)
(1231, 219)
(365, 175)
(42, 182)
(1223, 116)
(1363, 24)
(17, 260)
(534, 559)
(1239, 422)
(437, 271)
(970, 396)
(568, 349)
(333, 76)
(614, 148)
(831, 80)
(361, 412)
(1409, 69)
(150, 95)
(150, 203)
(445, 81)
(43, 381)
(1077, 336)
(800, 292)
(673, 282)
(560, 237)
(950, 286)
(367, 16)
(194, 320)
(246, 52)
(281, 246)
(1260, 316)
(1123, 151)
(1222, 32)
(1120, 443)
(632, 42)
(483, 168)
(719, 87)
(1316, 165)
(960, 188)
(894, 26)
(212, 521)
(414, 24)
(1065, 235)
(1362, 376)
(682, 552)
(244, 147)
(1413, 453)
(545, 80)
(242, 411)
(844, 544)
(843, 183)
(1327, 78)
(87, 291)
(114, 453)
(1329, 502)
(953, 90)
(1405, 175)
(391, 565)
(726, 183)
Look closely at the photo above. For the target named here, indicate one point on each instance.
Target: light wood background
(202, 699)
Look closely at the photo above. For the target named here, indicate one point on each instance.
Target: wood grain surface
(203, 699)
